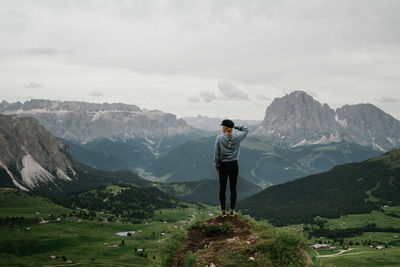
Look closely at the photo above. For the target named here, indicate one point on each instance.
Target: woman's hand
(217, 170)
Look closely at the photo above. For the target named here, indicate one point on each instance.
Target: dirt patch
(208, 247)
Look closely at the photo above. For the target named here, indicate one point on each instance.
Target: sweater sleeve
(243, 132)
(217, 159)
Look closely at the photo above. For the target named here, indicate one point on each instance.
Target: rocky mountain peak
(298, 119)
(30, 155)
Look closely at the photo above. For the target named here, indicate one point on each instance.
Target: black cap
(228, 123)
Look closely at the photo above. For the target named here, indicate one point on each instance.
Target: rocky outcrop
(83, 122)
(368, 125)
(30, 156)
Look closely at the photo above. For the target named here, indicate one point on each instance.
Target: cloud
(343, 56)
(193, 99)
(47, 51)
(260, 104)
(387, 99)
(33, 85)
(230, 91)
(207, 96)
(262, 97)
(96, 93)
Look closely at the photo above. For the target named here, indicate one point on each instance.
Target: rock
(298, 119)
(33, 153)
(84, 122)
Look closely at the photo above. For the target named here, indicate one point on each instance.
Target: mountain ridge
(298, 119)
(33, 160)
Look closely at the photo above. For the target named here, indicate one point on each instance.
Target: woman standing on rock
(226, 155)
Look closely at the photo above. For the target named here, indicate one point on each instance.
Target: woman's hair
(229, 130)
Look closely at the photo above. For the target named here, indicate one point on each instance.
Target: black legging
(231, 169)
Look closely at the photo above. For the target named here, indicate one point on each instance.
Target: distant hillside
(207, 191)
(346, 189)
(108, 155)
(259, 162)
(130, 202)
(14, 202)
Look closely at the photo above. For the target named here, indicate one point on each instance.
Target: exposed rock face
(298, 119)
(31, 156)
(83, 122)
(368, 125)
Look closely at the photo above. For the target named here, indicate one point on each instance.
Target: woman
(226, 155)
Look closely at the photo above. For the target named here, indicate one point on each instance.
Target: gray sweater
(221, 150)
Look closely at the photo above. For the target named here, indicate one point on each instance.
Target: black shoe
(223, 213)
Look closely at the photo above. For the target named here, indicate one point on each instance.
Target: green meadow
(81, 241)
(381, 218)
(73, 240)
(362, 256)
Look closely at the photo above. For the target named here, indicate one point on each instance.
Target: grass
(16, 203)
(359, 220)
(275, 246)
(364, 257)
(362, 254)
(82, 241)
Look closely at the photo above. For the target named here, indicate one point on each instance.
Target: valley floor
(60, 240)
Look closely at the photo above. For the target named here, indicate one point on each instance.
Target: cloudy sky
(215, 58)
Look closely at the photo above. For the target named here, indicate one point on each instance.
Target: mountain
(259, 162)
(32, 159)
(152, 132)
(369, 126)
(298, 119)
(31, 156)
(207, 191)
(346, 189)
(212, 124)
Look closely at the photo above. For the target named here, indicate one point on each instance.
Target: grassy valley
(52, 235)
(86, 240)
